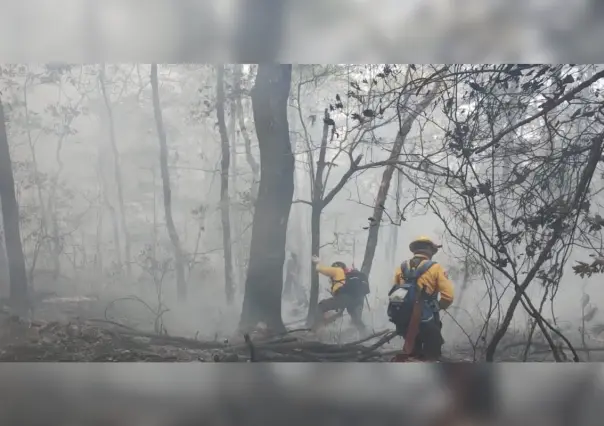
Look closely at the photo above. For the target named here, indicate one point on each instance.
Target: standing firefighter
(414, 303)
(348, 290)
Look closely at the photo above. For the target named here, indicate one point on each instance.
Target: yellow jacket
(337, 276)
(434, 279)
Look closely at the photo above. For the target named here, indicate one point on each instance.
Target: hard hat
(423, 242)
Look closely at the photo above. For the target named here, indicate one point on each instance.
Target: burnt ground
(78, 330)
(82, 330)
(99, 341)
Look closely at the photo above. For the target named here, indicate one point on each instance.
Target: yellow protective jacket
(337, 277)
(434, 280)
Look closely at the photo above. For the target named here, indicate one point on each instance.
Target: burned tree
(225, 201)
(181, 284)
(19, 294)
(264, 282)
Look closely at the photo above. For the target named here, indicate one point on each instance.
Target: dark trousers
(341, 301)
(429, 340)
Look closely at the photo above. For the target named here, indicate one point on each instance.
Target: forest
(170, 212)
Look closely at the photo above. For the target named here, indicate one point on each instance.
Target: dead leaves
(584, 269)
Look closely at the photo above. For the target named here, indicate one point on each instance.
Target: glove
(315, 259)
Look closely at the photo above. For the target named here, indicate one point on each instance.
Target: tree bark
(241, 253)
(181, 284)
(264, 283)
(117, 170)
(380, 201)
(315, 247)
(251, 161)
(4, 278)
(225, 214)
(19, 294)
(315, 221)
(105, 202)
(249, 156)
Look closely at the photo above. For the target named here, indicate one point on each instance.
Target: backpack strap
(405, 270)
(423, 268)
(414, 273)
(343, 281)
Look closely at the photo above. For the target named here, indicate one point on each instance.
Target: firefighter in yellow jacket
(430, 278)
(348, 290)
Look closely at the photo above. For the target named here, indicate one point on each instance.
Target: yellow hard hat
(422, 242)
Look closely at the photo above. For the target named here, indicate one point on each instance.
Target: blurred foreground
(151, 394)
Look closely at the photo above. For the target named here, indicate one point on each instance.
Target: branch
(333, 243)
(547, 108)
(354, 167)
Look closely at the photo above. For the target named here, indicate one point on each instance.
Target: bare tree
(380, 201)
(264, 283)
(117, 169)
(249, 156)
(181, 284)
(19, 293)
(70, 113)
(225, 201)
(243, 200)
(45, 222)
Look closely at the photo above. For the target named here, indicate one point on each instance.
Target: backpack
(401, 308)
(357, 283)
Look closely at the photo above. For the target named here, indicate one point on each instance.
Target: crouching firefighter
(348, 290)
(414, 304)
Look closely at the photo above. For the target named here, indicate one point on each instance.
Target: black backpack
(357, 283)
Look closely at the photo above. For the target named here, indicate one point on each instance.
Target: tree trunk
(52, 205)
(181, 284)
(45, 224)
(225, 214)
(315, 247)
(251, 161)
(297, 239)
(315, 221)
(4, 278)
(392, 250)
(249, 156)
(98, 257)
(264, 283)
(380, 201)
(240, 257)
(105, 202)
(19, 294)
(117, 170)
